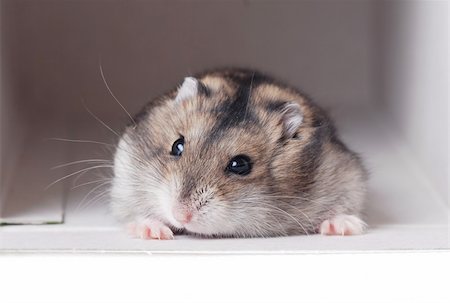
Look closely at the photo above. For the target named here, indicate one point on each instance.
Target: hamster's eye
(177, 147)
(240, 165)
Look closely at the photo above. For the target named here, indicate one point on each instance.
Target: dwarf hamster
(235, 153)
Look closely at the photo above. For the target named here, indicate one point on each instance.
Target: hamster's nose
(182, 216)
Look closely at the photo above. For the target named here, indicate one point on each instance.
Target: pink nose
(182, 216)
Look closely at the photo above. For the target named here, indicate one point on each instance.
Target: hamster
(235, 153)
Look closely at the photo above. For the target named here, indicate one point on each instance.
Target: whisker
(102, 174)
(112, 94)
(89, 193)
(94, 200)
(99, 120)
(75, 180)
(305, 215)
(77, 172)
(302, 199)
(133, 155)
(81, 141)
(285, 212)
(91, 182)
(82, 161)
(279, 224)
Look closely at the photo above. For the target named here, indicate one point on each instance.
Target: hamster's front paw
(343, 225)
(149, 229)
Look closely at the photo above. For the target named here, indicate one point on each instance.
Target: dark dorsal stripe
(238, 110)
(203, 89)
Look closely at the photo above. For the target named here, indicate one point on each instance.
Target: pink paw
(343, 225)
(150, 229)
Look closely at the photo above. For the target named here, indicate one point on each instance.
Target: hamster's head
(214, 156)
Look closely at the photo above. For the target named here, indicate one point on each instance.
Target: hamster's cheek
(204, 222)
(166, 194)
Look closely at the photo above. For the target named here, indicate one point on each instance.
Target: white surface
(57, 238)
(404, 211)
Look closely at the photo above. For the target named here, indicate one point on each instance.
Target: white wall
(414, 79)
(146, 47)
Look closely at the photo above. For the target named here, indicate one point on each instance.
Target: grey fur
(301, 178)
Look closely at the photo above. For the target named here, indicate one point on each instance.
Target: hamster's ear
(187, 90)
(190, 88)
(292, 119)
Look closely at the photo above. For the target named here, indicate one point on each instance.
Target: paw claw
(343, 225)
(150, 229)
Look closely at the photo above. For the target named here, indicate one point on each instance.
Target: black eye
(240, 165)
(178, 147)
